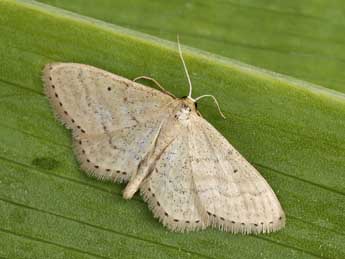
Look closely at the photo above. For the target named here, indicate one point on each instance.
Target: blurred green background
(303, 39)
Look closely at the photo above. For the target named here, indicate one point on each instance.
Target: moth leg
(134, 184)
(144, 168)
(156, 82)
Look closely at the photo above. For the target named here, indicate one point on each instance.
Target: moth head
(189, 104)
(189, 100)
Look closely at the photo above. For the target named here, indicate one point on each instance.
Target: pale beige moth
(188, 173)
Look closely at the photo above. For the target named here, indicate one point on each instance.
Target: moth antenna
(214, 99)
(190, 83)
(156, 82)
(185, 67)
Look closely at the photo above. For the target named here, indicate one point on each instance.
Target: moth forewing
(233, 194)
(113, 119)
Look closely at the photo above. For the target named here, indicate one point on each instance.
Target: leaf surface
(292, 131)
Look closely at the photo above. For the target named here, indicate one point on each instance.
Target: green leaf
(303, 39)
(292, 131)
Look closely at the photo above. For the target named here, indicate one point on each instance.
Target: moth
(188, 173)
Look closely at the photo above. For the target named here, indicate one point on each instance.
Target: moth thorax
(184, 111)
